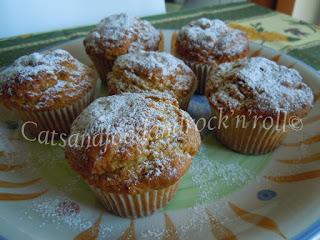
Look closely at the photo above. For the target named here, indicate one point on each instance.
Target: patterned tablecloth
(279, 31)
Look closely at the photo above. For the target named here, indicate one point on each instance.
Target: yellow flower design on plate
(253, 34)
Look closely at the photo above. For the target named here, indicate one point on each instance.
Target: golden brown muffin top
(119, 34)
(148, 71)
(259, 87)
(205, 41)
(147, 142)
(45, 81)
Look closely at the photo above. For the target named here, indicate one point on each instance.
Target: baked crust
(210, 41)
(119, 34)
(45, 81)
(258, 87)
(149, 71)
(148, 142)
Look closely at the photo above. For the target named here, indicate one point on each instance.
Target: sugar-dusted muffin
(259, 98)
(117, 35)
(49, 89)
(203, 43)
(137, 147)
(150, 71)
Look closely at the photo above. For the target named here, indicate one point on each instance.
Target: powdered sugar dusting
(214, 35)
(205, 31)
(210, 177)
(151, 61)
(115, 30)
(258, 84)
(122, 113)
(151, 71)
(37, 77)
(47, 209)
(207, 175)
(29, 66)
(146, 128)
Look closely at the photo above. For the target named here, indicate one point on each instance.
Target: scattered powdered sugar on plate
(47, 208)
(194, 220)
(207, 174)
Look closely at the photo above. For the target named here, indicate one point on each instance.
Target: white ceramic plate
(225, 195)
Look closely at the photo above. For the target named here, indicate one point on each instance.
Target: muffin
(254, 101)
(152, 71)
(135, 150)
(117, 35)
(204, 43)
(49, 89)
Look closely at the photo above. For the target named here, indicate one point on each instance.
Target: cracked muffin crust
(208, 41)
(117, 35)
(45, 81)
(147, 143)
(152, 71)
(257, 100)
(261, 86)
(47, 90)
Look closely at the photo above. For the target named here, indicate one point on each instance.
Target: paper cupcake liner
(184, 102)
(103, 66)
(161, 43)
(253, 138)
(136, 205)
(59, 120)
(202, 72)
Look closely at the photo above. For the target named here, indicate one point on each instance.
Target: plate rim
(313, 230)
